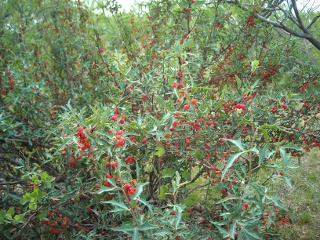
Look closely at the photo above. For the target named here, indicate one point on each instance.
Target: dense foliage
(167, 122)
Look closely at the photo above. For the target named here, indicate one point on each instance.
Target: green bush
(107, 121)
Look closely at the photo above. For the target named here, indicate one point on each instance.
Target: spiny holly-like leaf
(104, 189)
(146, 204)
(232, 158)
(292, 146)
(276, 202)
(238, 143)
(117, 204)
(147, 226)
(139, 190)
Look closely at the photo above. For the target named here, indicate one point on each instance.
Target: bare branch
(313, 21)
(305, 33)
(7, 159)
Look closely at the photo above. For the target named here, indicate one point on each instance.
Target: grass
(303, 199)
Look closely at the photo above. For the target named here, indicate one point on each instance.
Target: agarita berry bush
(168, 122)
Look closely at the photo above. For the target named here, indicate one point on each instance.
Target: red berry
(186, 107)
(144, 141)
(193, 101)
(72, 163)
(175, 123)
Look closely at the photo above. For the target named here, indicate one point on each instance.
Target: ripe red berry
(193, 101)
(144, 141)
(72, 163)
(175, 123)
(186, 107)
(245, 206)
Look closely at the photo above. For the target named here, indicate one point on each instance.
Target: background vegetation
(181, 119)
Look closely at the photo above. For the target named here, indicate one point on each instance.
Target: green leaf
(11, 211)
(239, 83)
(163, 193)
(124, 229)
(163, 233)
(117, 204)
(16, 197)
(292, 146)
(178, 219)
(160, 151)
(177, 47)
(245, 121)
(168, 172)
(269, 126)
(250, 234)
(186, 175)
(19, 218)
(139, 190)
(276, 202)
(284, 157)
(238, 143)
(254, 65)
(146, 226)
(104, 189)
(266, 136)
(162, 103)
(191, 200)
(198, 3)
(209, 13)
(233, 229)
(263, 154)
(224, 90)
(232, 158)
(218, 105)
(42, 215)
(33, 205)
(135, 235)
(184, 4)
(144, 202)
(198, 154)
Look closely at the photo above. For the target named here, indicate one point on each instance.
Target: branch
(10, 160)
(24, 141)
(313, 21)
(306, 34)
